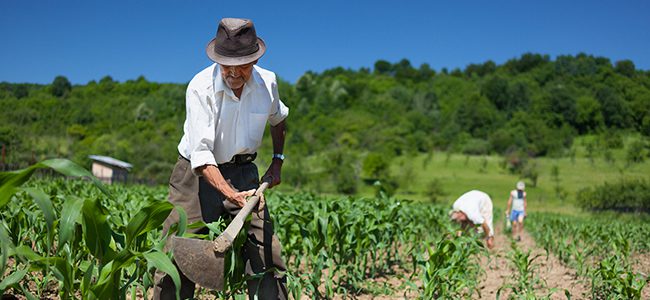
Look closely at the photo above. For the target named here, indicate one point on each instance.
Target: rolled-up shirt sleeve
(200, 129)
(279, 111)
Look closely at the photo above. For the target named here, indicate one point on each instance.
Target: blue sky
(165, 40)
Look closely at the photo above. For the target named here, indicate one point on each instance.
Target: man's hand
(274, 173)
(490, 242)
(213, 176)
(239, 198)
(262, 203)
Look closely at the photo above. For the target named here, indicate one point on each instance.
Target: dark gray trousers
(262, 250)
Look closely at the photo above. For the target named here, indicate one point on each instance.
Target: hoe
(203, 261)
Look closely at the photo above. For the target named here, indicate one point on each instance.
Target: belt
(240, 159)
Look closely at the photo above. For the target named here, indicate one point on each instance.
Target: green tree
(375, 165)
(61, 86)
(614, 109)
(589, 117)
(625, 67)
(383, 67)
(636, 151)
(477, 116)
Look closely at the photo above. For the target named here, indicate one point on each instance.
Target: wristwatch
(279, 156)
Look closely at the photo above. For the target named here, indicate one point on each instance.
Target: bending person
(475, 207)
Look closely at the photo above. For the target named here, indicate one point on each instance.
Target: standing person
(227, 107)
(475, 207)
(517, 202)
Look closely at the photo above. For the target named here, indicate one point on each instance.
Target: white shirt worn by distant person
(517, 202)
(477, 206)
(218, 125)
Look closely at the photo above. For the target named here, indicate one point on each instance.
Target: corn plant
(54, 236)
(451, 268)
(335, 244)
(614, 279)
(599, 250)
(524, 281)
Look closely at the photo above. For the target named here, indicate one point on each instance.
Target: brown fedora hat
(236, 43)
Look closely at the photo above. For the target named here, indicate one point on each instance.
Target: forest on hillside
(348, 123)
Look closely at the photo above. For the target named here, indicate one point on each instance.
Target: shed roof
(111, 161)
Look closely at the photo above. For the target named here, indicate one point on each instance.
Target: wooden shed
(109, 169)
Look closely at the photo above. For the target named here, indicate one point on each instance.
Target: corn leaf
(70, 216)
(12, 279)
(147, 219)
(160, 261)
(96, 231)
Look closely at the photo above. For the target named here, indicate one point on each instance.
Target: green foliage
(624, 195)
(434, 190)
(449, 268)
(342, 170)
(54, 233)
(84, 250)
(475, 146)
(611, 239)
(334, 245)
(625, 67)
(61, 86)
(530, 103)
(524, 281)
(589, 117)
(614, 278)
(375, 165)
(636, 151)
(530, 171)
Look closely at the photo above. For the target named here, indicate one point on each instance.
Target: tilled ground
(554, 275)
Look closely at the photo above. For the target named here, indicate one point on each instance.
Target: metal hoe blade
(203, 261)
(199, 262)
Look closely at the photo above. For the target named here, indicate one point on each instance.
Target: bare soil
(499, 270)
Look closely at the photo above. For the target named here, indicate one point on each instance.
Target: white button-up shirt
(477, 206)
(218, 125)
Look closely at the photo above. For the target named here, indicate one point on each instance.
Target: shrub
(625, 195)
(375, 165)
(476, 146)
(434, 190)
(636, 152)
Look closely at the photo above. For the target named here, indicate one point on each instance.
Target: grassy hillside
(460, 173)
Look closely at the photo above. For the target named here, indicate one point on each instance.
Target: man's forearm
(278, 133)
(213, 176)
(486, 229)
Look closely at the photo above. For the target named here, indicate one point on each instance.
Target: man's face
(236, 76)
(459, 217)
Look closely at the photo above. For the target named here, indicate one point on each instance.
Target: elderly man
(475, 207)
(228, 105)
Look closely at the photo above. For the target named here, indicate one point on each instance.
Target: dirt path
(499, 270)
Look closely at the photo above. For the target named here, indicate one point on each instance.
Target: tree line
(532, 105)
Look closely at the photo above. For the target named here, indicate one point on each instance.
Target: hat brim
(235, 61)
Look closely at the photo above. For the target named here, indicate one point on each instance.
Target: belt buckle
(240, 159)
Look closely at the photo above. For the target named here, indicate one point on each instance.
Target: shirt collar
(219, 85)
